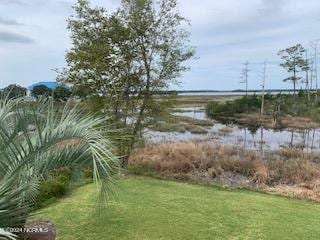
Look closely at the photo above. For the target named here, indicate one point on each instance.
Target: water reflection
(253, 138)
(193, 112)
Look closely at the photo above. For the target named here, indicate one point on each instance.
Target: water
(193, 112)
(254, 139)
(226, 93)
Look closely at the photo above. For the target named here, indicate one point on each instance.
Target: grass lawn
(148, 208)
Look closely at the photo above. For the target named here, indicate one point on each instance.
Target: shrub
(55, 187)
(87, 172)
(244, 104)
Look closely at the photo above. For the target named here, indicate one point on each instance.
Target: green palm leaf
(36, 139)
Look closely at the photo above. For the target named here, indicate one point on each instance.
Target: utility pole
(244, 76)
(263, 86)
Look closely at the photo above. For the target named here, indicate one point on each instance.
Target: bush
(54, 187)
(95, 104)
(244, 104)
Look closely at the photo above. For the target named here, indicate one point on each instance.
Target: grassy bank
(171, 123)
(148, 209)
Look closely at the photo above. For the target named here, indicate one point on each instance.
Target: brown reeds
(286, 166)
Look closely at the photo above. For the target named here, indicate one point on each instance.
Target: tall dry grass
(286, 166)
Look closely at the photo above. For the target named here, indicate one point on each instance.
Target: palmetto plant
(35, 139)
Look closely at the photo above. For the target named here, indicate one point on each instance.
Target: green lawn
(148, 208)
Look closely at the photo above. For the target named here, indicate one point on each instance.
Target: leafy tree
(61, 93)
(294, 62)
(127, 56)
(41, 90)
(81, 91)
(14, 91)
(34, 141)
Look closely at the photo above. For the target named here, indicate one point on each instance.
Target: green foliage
(280, 104)
(301, 94)
(144, 170)
(61, 93)
(95, 104)
(82, 91)
(126, 57)
(300, 106)
(41, 90)
(54, 187)
(87, 173)
(153, 209)
(14, 91)
(294, 62)
(244, 104)
(35, 141)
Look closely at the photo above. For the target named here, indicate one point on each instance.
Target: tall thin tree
(315, 66)
(294, 62)
(244, 76)
(306, 69)
(264, 75)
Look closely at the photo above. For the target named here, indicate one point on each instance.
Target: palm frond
(36, 139)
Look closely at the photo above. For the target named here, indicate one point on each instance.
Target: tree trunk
(263, 87)
(307, 77)
(146, 98)
(124, 165)
(294, 85)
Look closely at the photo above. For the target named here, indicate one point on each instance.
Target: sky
(226, 33)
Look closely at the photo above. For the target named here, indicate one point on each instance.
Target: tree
(81, 92)
(34, 141)
(294, 63)
(61, 93)
(14, 91)
(264, 75)
(306, 68)
(314, 67)
(244, 76)
(127, 57)
(41, 90)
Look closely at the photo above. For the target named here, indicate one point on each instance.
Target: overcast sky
(34, 38)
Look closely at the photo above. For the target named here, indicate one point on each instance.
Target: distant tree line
(16, 91)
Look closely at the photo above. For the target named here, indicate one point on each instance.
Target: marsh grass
(186, 160)
(172, 123)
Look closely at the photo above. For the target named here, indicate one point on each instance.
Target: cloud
(226, 33)
(19, 2)
(272, 7)
(14, 38)
(9, 22)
